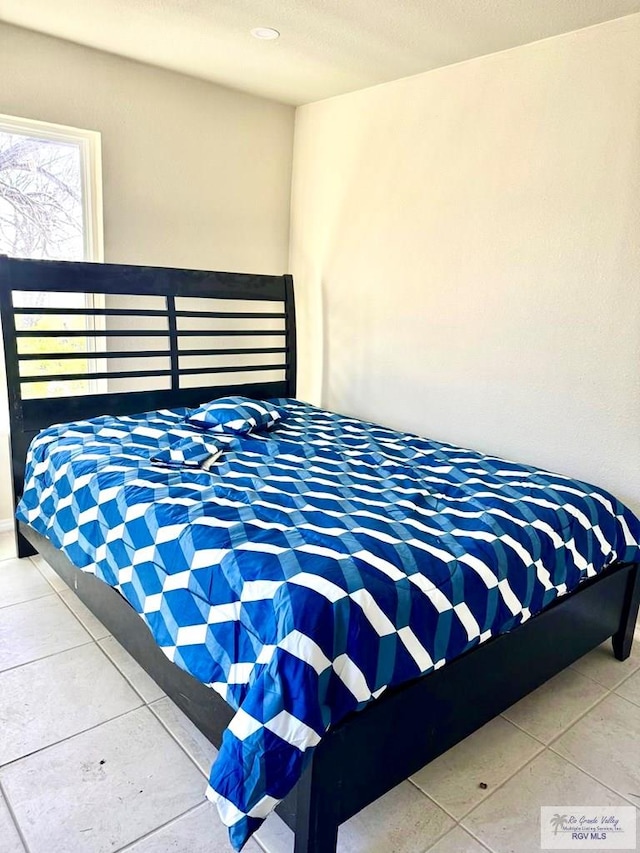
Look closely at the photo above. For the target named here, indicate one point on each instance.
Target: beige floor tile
(103, 788)
(509, 820)
(630, 689)
(48, 573)
(458, 841)
(403, 821)
(602, 666)
(36, 629)
(199, 831)
(142, 683)
(21, 581)
(9, 838)
(552, 708)
(7, 545)
(93, 625)
(488, 757)
(606, 743)
(201, 751)
(57, 697)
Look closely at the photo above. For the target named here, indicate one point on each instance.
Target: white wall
(195, 175)
(473, 237)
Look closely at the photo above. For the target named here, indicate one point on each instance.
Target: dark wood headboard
(190, 334)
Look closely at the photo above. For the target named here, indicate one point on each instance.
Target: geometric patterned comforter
(314, 565)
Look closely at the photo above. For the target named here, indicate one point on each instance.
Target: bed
(378, 744)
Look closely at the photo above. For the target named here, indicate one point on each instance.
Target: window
(51, 207)
(50, 191)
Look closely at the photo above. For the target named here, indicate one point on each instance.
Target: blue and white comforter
(313, 566)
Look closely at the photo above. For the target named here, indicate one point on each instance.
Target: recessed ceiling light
(265, 33)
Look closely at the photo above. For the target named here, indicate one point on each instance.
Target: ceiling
(327, 47)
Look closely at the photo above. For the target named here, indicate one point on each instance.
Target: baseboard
(6, 524)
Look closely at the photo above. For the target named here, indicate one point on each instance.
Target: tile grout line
(13, 817)
(13, 557)
(618, 684)
(440, 836)
(635, 702)
(498, 788)
(144, 703)
(72, 611)
(130, 844)
(156, 716)
(27, 600)
(149, 704)
(260, 844)
(595, 778)
(69, 737)
(615, 662)
(174, 737)
(438, 805)
(524, 731)
(558, 755)
(478, 839)
(123, 674)
(97, 640)
(53, 571)
(458, 820)
(61, 593)
(533, 758)
(56, 592)
(429, 797)
(607, 693)
(625, 679)
(581, 717)
(46, 657)
(553, 744)
(541, 747)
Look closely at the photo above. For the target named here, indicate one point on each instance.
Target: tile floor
(95, 758)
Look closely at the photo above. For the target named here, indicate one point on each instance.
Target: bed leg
(25, 548)
(623, 638)
(323, 839)
(316, 826)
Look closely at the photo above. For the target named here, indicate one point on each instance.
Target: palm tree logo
(557, 822)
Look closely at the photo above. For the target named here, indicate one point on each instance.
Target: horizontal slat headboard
(129, 339)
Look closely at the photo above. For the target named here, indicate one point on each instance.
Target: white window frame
(90, 144)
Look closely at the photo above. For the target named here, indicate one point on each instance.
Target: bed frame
(369, 752)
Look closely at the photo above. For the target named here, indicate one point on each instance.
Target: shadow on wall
(322, 357)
